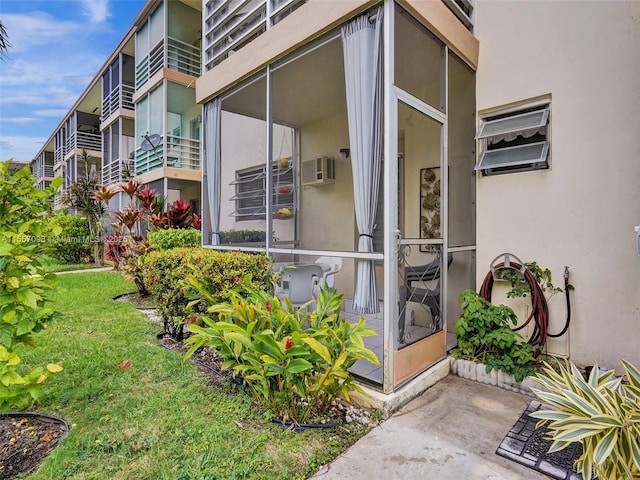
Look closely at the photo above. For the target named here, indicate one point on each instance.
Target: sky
(58, 46)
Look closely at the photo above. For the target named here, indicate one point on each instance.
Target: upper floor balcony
(173, 152)
(169, 53)
(229, 25)
(43, 171)
(120, 97)
(84, 140)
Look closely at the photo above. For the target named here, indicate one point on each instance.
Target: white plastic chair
(299, 283)
(330, 266)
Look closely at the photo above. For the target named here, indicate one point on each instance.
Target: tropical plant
(25, 308)
(294, 362)
(602, 413)
(485, 335)
(82, 196)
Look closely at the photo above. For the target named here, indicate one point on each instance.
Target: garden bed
(25, 441)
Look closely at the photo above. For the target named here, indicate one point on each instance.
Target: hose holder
(505, 261)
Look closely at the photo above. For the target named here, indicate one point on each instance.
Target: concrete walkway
(86, 270)
(450, 432)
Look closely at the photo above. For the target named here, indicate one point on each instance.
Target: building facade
(418, 142)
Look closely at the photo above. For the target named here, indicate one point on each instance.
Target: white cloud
(36, 29)
(96, 10)
(51, 112)
(20, 147)
(19, 120)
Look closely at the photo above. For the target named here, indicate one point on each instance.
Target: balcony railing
(43, 171)
(88, 141)
(180, 152)
(120, 97)
(229, 25)
(180, 56)
(58, 155)
(150, 64)
(183, 58)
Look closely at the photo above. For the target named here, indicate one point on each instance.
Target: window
(250, 189)
(517, 140)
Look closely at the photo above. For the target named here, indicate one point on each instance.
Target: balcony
(84, 140)
(119, 97)
(180, 152)
(178, 56)
(58, 155)
(43, 171)
(231, 25)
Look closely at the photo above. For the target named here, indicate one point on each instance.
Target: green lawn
(54, 265)
(161, 418)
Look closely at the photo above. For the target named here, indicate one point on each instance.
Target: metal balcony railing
(178, 152)
(230, 25)
(41, 171)
(120, 97)
(180, 56)
(88, 141)
(183, 58)
(58, 155)
(150, 64)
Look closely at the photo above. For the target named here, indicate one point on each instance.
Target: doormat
(525, 444)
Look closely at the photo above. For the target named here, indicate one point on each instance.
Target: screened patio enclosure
(358, 146)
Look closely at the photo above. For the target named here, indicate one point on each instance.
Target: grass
(52, 264)
(161, 418)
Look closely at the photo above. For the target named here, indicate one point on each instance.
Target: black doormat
(527, 445)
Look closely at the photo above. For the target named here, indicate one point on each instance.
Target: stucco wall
(582, 211)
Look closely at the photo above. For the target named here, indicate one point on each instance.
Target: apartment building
(145, 89)
(392, 135)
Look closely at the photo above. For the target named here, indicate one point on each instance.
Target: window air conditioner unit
(318, 171)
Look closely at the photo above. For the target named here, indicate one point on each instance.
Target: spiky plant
(602, 413)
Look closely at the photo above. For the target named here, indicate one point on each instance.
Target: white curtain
(211, 170)
(362, 45)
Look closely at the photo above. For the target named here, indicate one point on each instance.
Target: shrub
(174, 238)
(485, 335)
(242, 236)
(164, 271)
(24, 286)
(74, 244)
(294, 372)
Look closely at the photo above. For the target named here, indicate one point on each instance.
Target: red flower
(267, 304)
(288, 343)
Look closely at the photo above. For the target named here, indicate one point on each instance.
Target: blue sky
(57, 48)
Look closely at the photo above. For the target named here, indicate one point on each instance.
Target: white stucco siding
(580, 212)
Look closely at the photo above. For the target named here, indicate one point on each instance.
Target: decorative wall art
(430, 194)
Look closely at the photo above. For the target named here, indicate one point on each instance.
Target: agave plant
(602, 413)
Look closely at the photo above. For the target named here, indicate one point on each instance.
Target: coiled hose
(539, 306)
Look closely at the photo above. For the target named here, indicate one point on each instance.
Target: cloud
(96, 10)
(19, 120)
(36, 29)
(20, 147)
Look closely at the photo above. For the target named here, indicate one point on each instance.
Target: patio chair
(330, 266)
(430, 297)
(299, 283)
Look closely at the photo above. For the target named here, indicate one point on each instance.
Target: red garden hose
(539, 307)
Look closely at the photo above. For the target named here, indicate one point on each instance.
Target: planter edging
(478, 372)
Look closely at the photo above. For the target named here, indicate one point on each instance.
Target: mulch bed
(25, 440)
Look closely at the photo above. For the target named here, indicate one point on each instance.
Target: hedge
(174, 238)
(163, 272)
